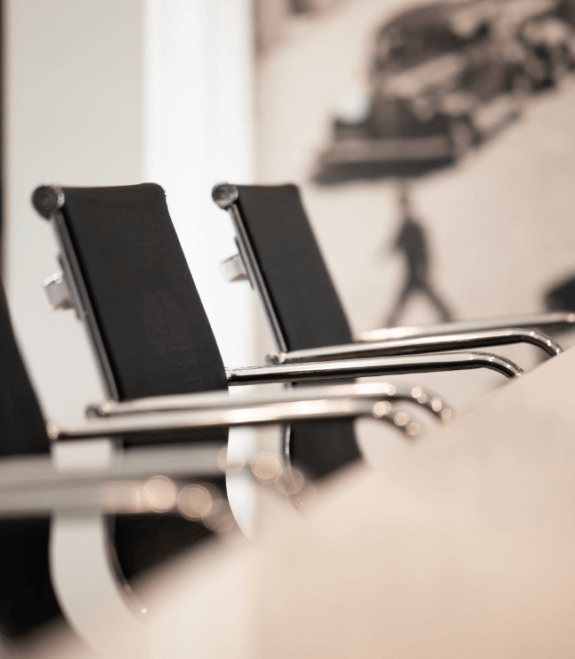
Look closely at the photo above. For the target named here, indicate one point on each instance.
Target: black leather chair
(280, 256)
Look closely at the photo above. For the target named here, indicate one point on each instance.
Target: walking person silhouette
(411, 242)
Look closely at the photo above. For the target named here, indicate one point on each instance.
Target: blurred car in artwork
(552, 42)
(444, 77)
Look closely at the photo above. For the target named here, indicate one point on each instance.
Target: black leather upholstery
(22, 425)
(304, 298)
(26, 596)
(156, 333)
(305, 302)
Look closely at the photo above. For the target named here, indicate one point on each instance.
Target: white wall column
(198, 132)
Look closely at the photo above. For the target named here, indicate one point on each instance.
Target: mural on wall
(446, 78)
(434, 143)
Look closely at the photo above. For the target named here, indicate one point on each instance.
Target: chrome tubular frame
(557, 321)
(73, 280)
(429, 401)
(32, 486)
(225, 196)
(420, 345)
(278, 409)
(353, 368)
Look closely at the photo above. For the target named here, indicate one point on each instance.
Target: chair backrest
(128, 279)
(122, 256)
(275, 229)
(287, 269)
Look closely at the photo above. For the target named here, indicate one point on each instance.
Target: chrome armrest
(132, 484)
(154, 479)
(382, 391)
(202, 460)
(180, 415)
(558, 321)
(170, 480)
(419, 345)
(354, 368)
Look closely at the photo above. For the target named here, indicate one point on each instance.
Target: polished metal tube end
(47, 199)
(225, 195)
(276, 358)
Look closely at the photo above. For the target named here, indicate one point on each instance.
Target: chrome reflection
(159, 494)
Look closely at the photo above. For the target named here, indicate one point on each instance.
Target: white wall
(73, 116)
(117, 92)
